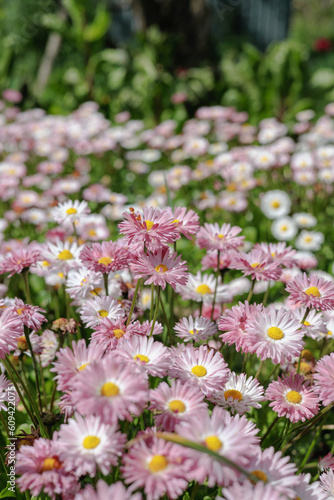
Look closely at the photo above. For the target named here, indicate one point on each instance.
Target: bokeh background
(162, 59)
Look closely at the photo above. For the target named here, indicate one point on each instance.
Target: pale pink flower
(116, 491)
(162, 267)
(215, 237)
(257, 264)
(11, 328)
(235, 323)
(20, 259)
(324, 379)
(312, 292)
(292, 397)
(185, 221)
(152, 356)
(105, 257)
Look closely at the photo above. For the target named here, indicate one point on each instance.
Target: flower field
(167, 306)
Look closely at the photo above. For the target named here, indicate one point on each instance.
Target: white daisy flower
(69, 212)
(63, 254)
(55, 278)
(81, 282)
(201, 287)
(275, 204)
(309, 240)
(304, 220)
(195, 328)
(302, 160)
(96, 309)
(264, 159)
(145, 299)
(284, 229)
(239, 393)
(326, 175)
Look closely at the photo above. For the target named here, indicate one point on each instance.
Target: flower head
(313, 292)
(215, 237)
(105, 257)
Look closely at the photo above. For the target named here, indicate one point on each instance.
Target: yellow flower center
(91, 442)
(71, 211)
(308, 239)
(61, 275)
(149, 224)
(161, 268)
(83, 367)
(103, 313)
(50, 464)
(118, 333)
(65, 255)
(275, 204)
(284, 228)
(157, 463)
(141, 357)
(176, 222)
(294, 397)
(176, 406)
(109, 390)
(19, 311)
(329, 332)
(203, 289)
(233, 393)
(96, 291)
(255, 265)
(22, 343)
(45, 263)
(199, 371)
(220, 236)
(213, 443)
(92, 232)
(275, 333)
(305, 367)
(260, 475)
(313, 290)
(306, 323)
(105, 261)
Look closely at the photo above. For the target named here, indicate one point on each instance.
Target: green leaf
(6, 493)
(99, 27)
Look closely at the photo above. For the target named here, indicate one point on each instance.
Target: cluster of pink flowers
(155, 389)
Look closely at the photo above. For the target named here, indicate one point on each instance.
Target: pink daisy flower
(215, 237)
(324, 379)
(105, 492)
(173, 404)
(275, 334)
(105, 257)
(153, 227)
(232, 437)
(327, 483)
(109, 333)
(327, 462)
(23, 347)
(20, 259)
(95, 310)
(273, 469)
(249, 491)
(144, 328)
(152, 356)
(203, 367)
(292, 397)
(157, 466)
(70, 362)
(239, 393)
(235, 323)
(195, 329)
(162, 268)
(210, 260)
(87, 444)
(256, 264)
(279, 252)
(11, 328)
(314, 323)
(185, 221)
(308, 491)
(4, 384)
(29, 315)
(312, 292)
(41, 469)
(112, 389)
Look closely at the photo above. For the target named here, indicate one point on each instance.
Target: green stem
(285, 432)
(133, 302)
(250, 295)
(270, 428)
(243, 369)
(53, 396)
(26, 284)
(152, 301)
(4, 423)
(43, 381)
(33, 405)
(312, 445)
(272, 372)
(216, 287)
(156, 310)
(259, 369)
(27, 336)
(266, 295)
(9, 367)
(302, 322)
(166, 321)
(105, 279)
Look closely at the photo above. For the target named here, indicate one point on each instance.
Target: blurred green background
(162, 59)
